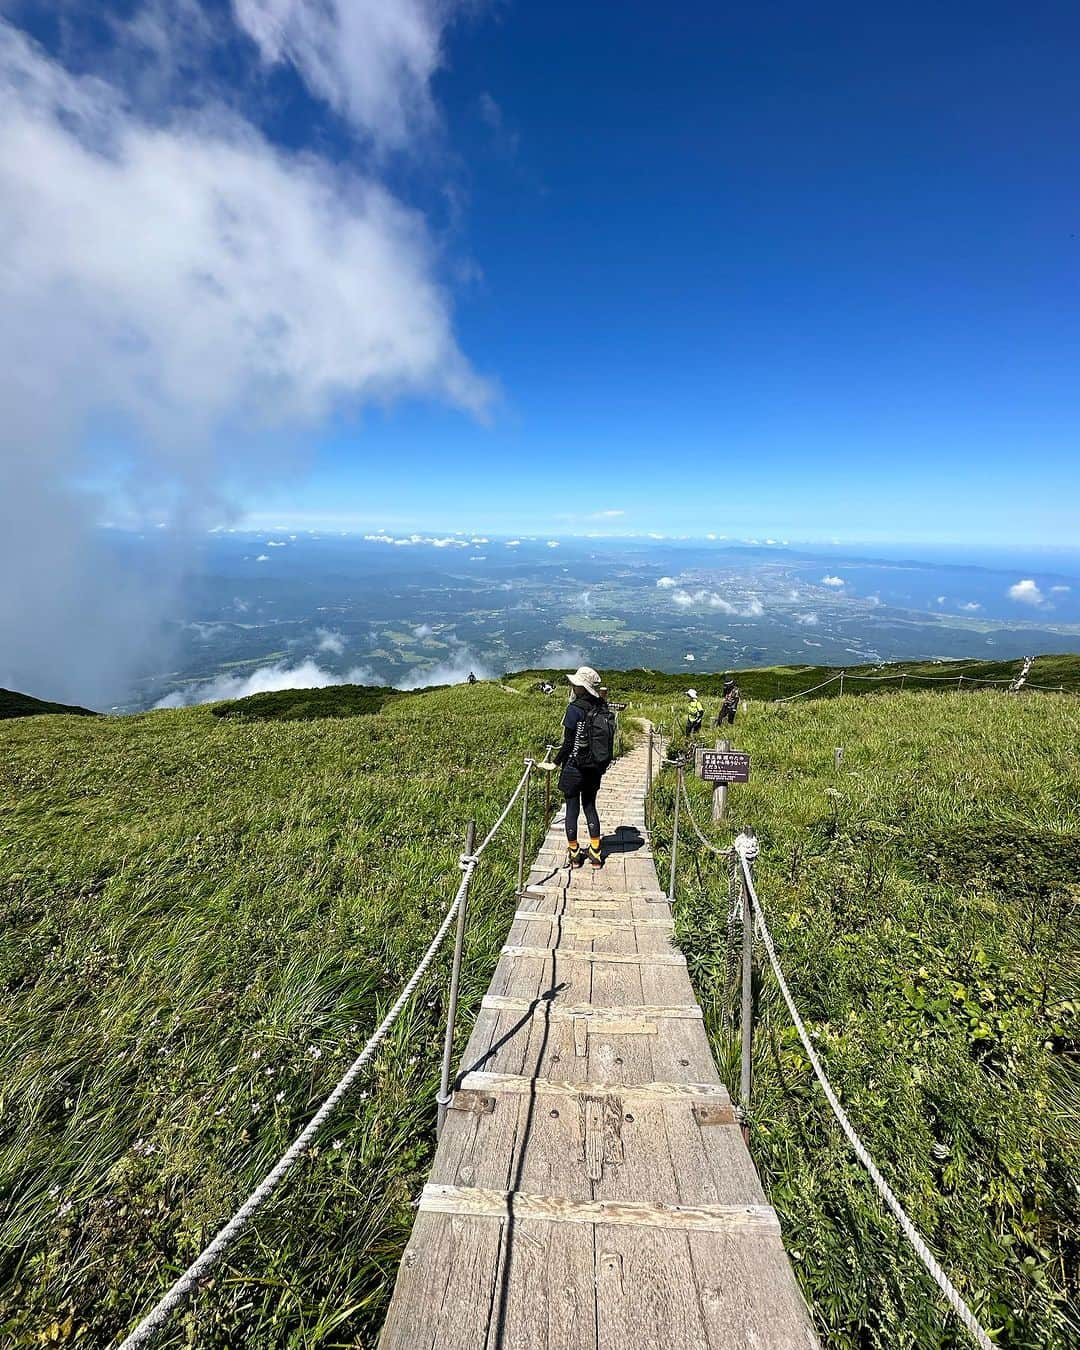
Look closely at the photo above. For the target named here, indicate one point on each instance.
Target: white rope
(186, 1284)
(506, 810)
(910, 1231)
(713, 848)
(803, 692)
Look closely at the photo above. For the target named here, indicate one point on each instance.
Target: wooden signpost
(721, 767)
(725, 766)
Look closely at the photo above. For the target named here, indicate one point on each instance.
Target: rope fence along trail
(182, 1289)
(747, 849)
(745, 898)
(961, 680)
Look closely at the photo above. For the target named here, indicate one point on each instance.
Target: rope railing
(713, 848)
(746, 848)
(803, 692)
(182, 1288)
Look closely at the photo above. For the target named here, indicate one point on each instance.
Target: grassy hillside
(205, 911)
(13, 704)
(924, 903)
(203, 919)
(773, 682)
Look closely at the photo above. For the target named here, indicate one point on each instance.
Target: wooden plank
(591, 1124)
(503, 1003)
(517, 1085)
(577, 924)
(620, 958)
(479, 1202)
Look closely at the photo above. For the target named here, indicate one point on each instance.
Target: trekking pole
(455, 974)
(675, 830)
(524, 825)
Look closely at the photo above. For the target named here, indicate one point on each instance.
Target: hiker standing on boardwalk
(587, 749)
(729, 704)
(695, 713)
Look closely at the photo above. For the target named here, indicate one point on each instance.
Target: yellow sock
(571, 844)
(595, 842)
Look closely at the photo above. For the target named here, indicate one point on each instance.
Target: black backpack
(594, 740)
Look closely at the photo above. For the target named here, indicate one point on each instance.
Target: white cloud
(808, 619)
(1060, 590)
(1027, 592)
(833, 581)
(553, 543)
(370, 60)
(513, 543)
(752, 609)
(266, 679)
(941, 599)
(606, 515)
(202, 291)
(666, 583)
(423, 630)
(330, 640)
(409, 540)
(277, 543)
(653, 535)
(971, 606)
(263, 557)
(558, 657)
(455, 670)
(689, 656)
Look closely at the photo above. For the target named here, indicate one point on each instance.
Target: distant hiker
(695, 713)
(587, 749)
(472, 678)
(729, 704)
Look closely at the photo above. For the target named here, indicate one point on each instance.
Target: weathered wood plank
(619, 958)
(518, 1085)
(483, 1203)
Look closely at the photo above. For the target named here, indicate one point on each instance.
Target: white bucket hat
(586, 678)
(691, 693)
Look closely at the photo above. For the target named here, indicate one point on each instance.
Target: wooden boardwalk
(591, 1189)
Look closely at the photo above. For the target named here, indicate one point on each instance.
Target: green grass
(308, 705)
(204, 919)
(206, 911)
(923, 901)
(13, 704)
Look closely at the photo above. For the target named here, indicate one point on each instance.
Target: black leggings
(584, 799)
(727, 715)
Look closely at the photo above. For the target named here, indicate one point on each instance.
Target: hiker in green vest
(695, 713)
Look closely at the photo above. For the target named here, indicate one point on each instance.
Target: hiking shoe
(595, 856)
(575, 857)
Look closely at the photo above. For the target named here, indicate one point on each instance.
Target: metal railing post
(524, 825)
(648, 764)
(675, 830)
(746, 1017)
(841, 684)
(443, 1098)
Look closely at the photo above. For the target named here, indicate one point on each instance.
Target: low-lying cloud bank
(752, 609)
(265, 680)
(308, 674)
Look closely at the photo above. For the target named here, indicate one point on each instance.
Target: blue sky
(767, 269)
